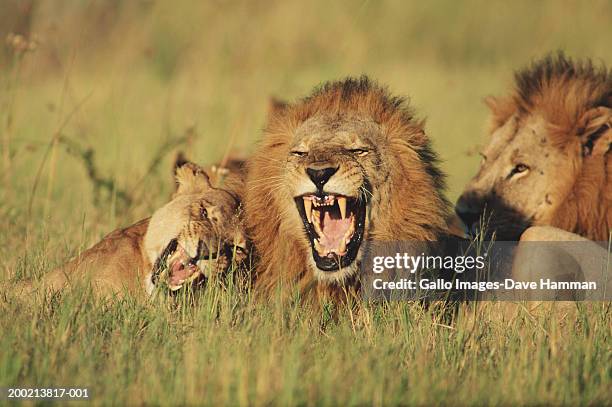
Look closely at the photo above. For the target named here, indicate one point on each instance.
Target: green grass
(129, 80)
(227, 349)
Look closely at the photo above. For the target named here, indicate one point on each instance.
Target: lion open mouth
(183, 269)
(334, 225)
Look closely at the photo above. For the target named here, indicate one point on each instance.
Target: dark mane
(562, 88)
(558, 70)
(350, 89)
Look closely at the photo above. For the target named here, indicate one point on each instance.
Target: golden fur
(116, 264)
(229, 174)
(201, 219)
(558, 121)
(405, 200)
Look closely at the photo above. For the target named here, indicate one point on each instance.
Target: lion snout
(469, 208)
(319, 175)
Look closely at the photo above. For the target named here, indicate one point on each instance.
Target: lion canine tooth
(349, 233)
(317, 245)
(342, 248)
(342, 205)
(317, 224)
(308, 209)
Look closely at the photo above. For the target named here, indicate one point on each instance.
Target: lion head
(344, 166)
(197, 234)
(548, 161)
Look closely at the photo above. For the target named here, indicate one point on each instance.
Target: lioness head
(548, 161)
(197, 234)
(344, 166)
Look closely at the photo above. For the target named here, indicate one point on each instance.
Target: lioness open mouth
(181, 268)
(334, 225)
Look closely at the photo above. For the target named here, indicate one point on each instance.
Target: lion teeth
(317, 245)
(317, 224)
(308, 209)
(327, 200)
(342, 248)
(342, 205)
(349, 233)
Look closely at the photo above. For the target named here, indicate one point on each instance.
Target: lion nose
(320, 176)
(469, 209)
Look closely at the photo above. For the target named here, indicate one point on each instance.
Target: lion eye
(298, 153)
(483, 158)
(518, 169)
(359, 152)
(203, 213)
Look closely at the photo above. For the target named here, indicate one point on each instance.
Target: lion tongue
(179, 273)
(333, 234)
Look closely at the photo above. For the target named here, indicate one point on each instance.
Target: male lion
(345, 166)
(546, 173)
(548, 161)
(196, 234)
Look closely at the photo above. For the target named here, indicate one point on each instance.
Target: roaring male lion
(343, 167)
(198, 233)
(548, 162)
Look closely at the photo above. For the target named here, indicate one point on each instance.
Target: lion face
(548, 159)
(332, 165)
(196, 235)
(210, 240)
(518, 183)
(344, 167)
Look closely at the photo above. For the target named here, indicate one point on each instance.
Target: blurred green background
(132, 81)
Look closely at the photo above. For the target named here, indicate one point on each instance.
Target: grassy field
(228, 350)
(90, 120)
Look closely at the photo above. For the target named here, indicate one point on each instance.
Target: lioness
(342, 167)
(548, 161)
(198, 233)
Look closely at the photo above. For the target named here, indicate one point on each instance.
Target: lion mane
(411, 205)
(575, 98)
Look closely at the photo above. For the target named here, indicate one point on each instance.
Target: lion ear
(501, 109)
(492, 103)
(276, 106)
(595, 131)
(179, 160)
(191, 179)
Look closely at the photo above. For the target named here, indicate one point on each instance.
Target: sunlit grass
(225, 348)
